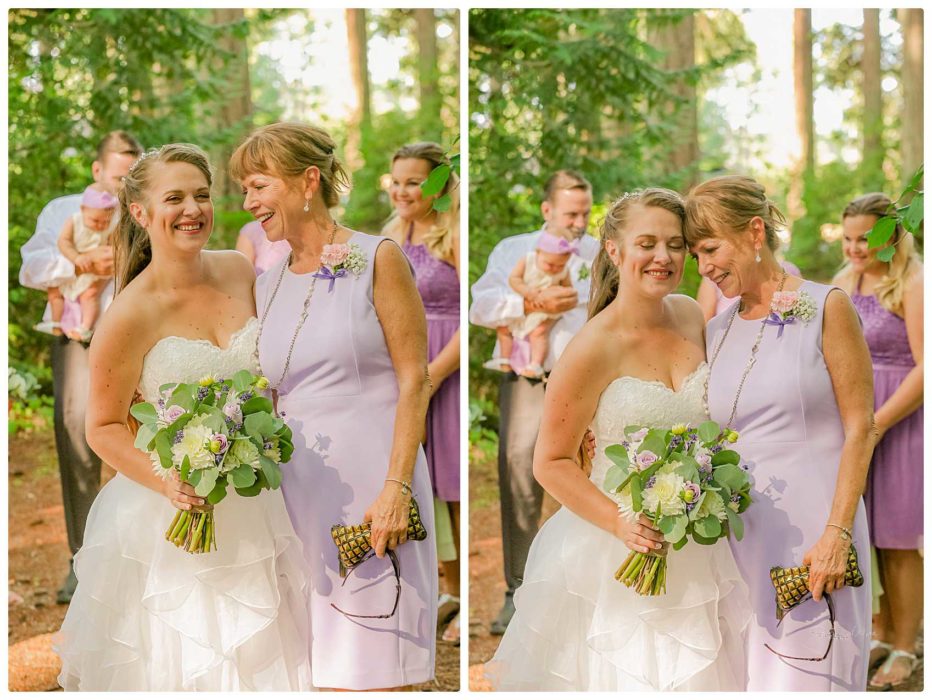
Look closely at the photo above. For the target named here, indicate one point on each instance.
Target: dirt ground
(486, 582)
(38, 562)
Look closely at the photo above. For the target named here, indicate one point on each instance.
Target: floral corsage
(337, 259)
(789, 307)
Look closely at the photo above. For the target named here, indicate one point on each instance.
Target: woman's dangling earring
(307, 207)
(756, 258)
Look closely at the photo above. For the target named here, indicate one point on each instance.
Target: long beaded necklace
(301, 319)
(751, 360)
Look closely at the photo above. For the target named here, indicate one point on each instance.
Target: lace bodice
(177, 359)
(631, 401)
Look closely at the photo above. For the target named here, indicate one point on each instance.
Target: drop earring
(307, 207)
(756, 258)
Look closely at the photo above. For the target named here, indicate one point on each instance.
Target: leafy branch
(909, 216)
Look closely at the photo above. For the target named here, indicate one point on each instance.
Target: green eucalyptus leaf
(709, 431)
(163, 445)
(206, 481)
(242, 380)
(243, 476)
(144, 412)
(725, 457)
(145, 436)
(258, 425)
(183, 396)
(272, 472)
(219, 491)
(614, 478)
(618, 455)
(734, 523)
(258, 404)
(730, 476)
(708, 527)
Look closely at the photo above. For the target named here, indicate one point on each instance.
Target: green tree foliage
(554, 89)
(76, 74)
(369, 208)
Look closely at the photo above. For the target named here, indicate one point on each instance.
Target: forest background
(672, 97)
(375, 79)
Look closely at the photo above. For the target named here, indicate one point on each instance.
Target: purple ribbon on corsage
(324, 273)
(775, 320)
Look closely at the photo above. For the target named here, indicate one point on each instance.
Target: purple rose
(691, 494)
(232, 411)
(705, 463)
(222, 439)
(645, 459)
(173, 413)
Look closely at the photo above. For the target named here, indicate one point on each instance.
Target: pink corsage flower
(334, 254)
(783, 302)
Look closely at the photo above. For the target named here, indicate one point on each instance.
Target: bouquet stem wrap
(646, 573)
(194, 530)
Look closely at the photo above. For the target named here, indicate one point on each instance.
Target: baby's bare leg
(90, 303)
(57, 303)
(539, 339)
(505, 345)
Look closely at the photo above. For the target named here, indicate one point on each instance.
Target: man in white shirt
(567, 204)
(44, 266)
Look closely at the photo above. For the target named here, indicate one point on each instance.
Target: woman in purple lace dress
(888, 297)
(431, 241)
(790, 372)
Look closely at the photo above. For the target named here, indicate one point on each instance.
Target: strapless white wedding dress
(578, 629)
(149, 616)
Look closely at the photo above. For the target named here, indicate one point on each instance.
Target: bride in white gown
(638, 361)
(147, 615)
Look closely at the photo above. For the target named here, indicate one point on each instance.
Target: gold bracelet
(845, 532)
(405, 486)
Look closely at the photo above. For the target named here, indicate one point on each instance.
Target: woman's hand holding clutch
(389, 517)
(826, 562)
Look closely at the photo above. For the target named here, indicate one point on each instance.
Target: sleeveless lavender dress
(439, 288)
(340, 397)
(894, 482)
(791, 439)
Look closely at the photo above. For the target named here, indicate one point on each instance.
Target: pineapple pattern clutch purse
(792, 583)
(354, 542)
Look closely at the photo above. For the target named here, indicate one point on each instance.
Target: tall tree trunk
(911, 139)
(678, 41)
(872, 155)
(235, 109)
(805, 129)
(361, 117)
(427, 73)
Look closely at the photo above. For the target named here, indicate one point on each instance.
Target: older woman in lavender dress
(430, 239)
(790, 371)
(345, 349)
(888, 297)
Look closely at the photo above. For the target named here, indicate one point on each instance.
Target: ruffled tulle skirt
(578, 629)
(148, 616)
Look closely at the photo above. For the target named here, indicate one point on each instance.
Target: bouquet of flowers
(213, 434)
(687, 481)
